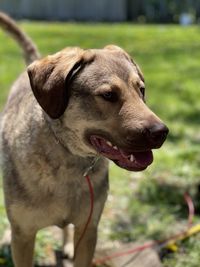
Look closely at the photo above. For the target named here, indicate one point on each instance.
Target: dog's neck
(58, 140)
(90, 161)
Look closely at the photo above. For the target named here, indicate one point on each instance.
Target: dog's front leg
(85, 251)
(22, 246)
(68, 241)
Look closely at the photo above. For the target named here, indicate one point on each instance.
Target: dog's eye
(142, 90)
(109, 96)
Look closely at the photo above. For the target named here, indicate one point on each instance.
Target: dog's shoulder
(21, 114)
(21, 106)
(19, 91)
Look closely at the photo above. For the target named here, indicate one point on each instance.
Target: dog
(66, 112)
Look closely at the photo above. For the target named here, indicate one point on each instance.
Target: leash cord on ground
(168, 243)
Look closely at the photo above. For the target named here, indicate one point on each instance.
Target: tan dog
(65, 111)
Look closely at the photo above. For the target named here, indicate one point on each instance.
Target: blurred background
(156, 11)
(163, 37)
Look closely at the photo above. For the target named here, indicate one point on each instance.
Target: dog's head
(98, 96)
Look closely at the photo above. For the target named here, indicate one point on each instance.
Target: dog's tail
(29, 48)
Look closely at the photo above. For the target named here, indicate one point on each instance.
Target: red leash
(191, 211)
(91, 195)
(91, 191)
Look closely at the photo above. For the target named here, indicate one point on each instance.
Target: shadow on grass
(6, 258)
(156, 208)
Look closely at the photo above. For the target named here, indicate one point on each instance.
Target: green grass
(170, 58)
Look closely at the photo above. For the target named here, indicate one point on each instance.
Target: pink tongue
(143, 158)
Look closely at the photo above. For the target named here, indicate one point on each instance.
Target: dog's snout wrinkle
(148, 137)
(136, 139)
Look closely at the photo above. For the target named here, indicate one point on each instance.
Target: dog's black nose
(157, 134)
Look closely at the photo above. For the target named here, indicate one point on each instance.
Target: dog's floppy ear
(50, 78)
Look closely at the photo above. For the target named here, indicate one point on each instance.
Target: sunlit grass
(170, 58)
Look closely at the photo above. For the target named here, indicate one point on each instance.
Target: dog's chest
(51, 189)
(68, 203)
(75, 200)
(67, 198)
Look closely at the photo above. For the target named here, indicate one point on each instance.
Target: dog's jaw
(132, 160)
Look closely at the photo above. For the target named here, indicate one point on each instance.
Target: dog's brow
(107, 87)
(136, 80)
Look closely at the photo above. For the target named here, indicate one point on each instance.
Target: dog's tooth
(109, 143)
(115, 147)
(131, 158)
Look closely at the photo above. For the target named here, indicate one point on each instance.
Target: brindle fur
(45, 151)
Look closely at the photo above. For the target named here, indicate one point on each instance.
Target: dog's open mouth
(132, 161)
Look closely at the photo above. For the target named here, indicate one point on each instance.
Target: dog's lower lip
(132, 161)
(133, 168)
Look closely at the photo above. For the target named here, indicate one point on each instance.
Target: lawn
(146, 205)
